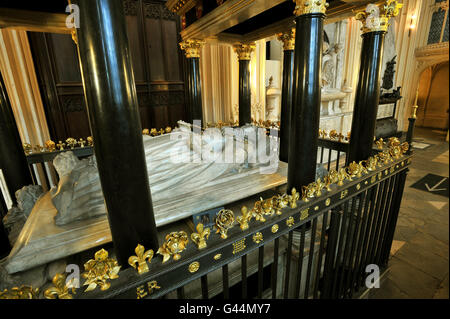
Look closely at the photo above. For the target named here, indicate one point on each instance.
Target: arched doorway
(433, 99)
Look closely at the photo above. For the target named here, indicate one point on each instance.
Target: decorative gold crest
(274, 228)
(175, 243)
(139, 261)
(100, 270)
(194, 267)
(201, 236)
(290, 221)
(310, 6)
(192, 47)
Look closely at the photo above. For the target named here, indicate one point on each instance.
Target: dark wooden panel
(153, 35)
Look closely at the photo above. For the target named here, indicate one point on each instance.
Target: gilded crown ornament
(376, 17)
(280, 202)
(224, 221)
(175, 243)
(244, 50)
(379, 143)
(353, 170)
(60, 289)
(192, 47)
(245, 217)
(308, 191)
(139, 261)
(288, 39)
(100, 270)
(201, 236)
(50, 146)
(310, 6)
(71, 142)
(22, 292)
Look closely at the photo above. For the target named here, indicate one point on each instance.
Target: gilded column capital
(192, 47)
(376, 17)
(288, 39)
(244, 51)
(310, 6)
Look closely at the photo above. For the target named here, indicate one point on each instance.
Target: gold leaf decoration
(175, 243)
(60, 289)
(22, 292)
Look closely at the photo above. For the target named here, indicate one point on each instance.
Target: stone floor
(419, 264)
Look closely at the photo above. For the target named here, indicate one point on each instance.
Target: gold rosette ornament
(224, 221)
(175, 243)
(50, 146)
(100, 270)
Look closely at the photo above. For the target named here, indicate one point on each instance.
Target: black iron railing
(319, 249)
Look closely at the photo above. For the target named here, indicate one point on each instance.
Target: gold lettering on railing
(344, 193)
(143, 291)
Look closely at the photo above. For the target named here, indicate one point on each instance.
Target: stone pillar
(305, 115)
(111, 100)
(288, 39)
(192, 50)
(13, 161)
(244, 52)
(375, 21)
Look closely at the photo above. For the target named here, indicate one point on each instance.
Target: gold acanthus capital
(376, 17)
(244, 50)
(192, 47)
(288, 39)
(310, 6)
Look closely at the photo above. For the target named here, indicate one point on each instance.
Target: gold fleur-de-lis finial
(201, 236)
(294, 198)
(100, 270)
(139, 261)
(60, 289)
(244, 218)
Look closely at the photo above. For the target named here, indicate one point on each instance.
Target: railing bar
(275, 267)
(356, 235)
(180, 293)
(363, 236)
(319, 262)
(244, 276)
(328, 273)
(371, 219)
(226, 288)
(382, 215)
(301, 249)
(395, 209)
(329, 158)
(337, 270)
(379, 216)
(260, 271)
(288, 265)
(310, 256)
(321, 154)
(337, 160)
(204, 283)
(386, 218)
(348, 241)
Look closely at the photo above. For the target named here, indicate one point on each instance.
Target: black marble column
(366, 97)
(112, 104)
(304, 126)
(286, 103)
(13, 161)
(245, 111)
(194, 91)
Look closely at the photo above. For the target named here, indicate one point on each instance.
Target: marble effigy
(72, 217)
